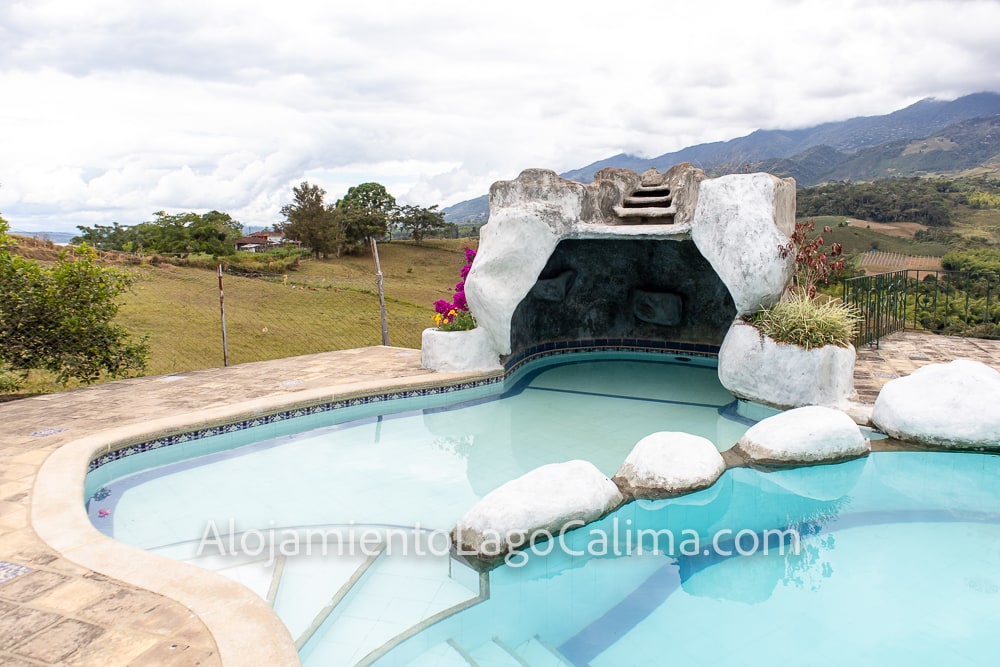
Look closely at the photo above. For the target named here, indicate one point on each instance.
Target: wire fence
(267, 316)
(957, 303)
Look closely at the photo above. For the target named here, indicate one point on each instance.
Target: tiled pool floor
(60, 613)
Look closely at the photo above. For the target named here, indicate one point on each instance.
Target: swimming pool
(425, 464)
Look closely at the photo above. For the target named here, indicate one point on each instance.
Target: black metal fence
(957, 303)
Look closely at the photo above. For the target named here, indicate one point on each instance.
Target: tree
(105, 237)
(371, 197)
(355, 226)
(419, 221)
(213, 233)
(59, 318)
(311, 221)
(364, 213)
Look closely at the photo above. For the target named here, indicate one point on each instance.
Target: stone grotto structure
(633, 261)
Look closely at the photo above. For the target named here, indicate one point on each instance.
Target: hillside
(55, 237)
(965, 145)
(916, 121)
(811, 152)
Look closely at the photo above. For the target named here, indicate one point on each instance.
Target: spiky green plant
(808, 322)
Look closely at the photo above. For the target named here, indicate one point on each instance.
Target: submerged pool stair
(386, 601)
(347, 609)
(383, 602)
(358, 609)
(535, 652)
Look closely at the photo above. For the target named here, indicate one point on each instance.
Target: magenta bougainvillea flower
(455, 315)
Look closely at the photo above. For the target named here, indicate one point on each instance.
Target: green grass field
(417, 275)
(325, 305)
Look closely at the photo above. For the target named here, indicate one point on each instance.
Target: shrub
(983, 260)
(60, 318)
(276, 261)
(808, 322)
(456, 320)
(815, 261)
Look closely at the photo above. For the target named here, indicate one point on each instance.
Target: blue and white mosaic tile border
(263, 420)
(542, 350)
(10, 570)
(511, 364)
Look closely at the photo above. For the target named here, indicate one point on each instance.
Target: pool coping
(255, 635)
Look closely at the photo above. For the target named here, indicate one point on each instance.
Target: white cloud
(114, 109)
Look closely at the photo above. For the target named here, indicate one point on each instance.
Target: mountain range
(930, 136)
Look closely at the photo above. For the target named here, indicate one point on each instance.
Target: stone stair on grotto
(648, 204)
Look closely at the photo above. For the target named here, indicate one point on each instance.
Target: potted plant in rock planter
(455, 344)
(797, 351)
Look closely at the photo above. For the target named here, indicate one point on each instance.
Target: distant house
(262, 240)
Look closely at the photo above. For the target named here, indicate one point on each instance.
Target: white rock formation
(949, 405)
(740, 222)
(541, 502)
(754, 367)
(528, 218)
(806, 435)
(471, 350)
(669, 463)
(737, 222)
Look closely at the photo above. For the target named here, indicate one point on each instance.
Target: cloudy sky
(114, 109)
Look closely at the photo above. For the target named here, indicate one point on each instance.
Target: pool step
(443, 654)
(539, 653)
(398, 595)
(335, 603)
(496, 653)
(309, 584)
(258, 576)
(535, 652)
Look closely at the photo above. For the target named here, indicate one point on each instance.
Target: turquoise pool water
(897, 562)
(421, 467)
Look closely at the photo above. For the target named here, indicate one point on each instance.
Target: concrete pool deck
(58, 603)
